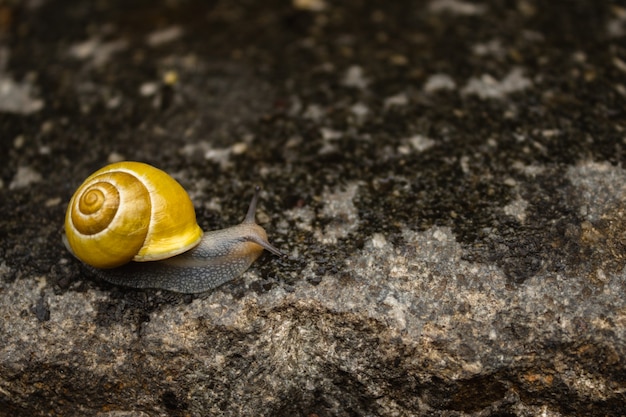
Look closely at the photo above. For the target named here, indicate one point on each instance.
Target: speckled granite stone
(446, 176)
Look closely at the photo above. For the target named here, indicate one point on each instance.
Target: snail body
(134, 225)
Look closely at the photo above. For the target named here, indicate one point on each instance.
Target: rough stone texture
(446, 176)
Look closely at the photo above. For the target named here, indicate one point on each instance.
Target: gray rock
(453, 251)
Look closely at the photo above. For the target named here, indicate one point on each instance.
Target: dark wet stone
(445, 176)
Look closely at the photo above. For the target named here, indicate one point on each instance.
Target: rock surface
(446, 176)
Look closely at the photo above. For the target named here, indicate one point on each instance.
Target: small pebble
(24, 177)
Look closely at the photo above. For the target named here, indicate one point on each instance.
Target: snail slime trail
(134, 225)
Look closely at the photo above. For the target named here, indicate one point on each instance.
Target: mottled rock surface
(446, 176)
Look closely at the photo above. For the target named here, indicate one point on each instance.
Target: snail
(134, 225)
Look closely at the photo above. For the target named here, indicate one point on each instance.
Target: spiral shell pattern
(130, 211)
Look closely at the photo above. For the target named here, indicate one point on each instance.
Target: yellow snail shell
(131, 211)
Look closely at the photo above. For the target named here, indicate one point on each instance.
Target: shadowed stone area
(446, 176)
